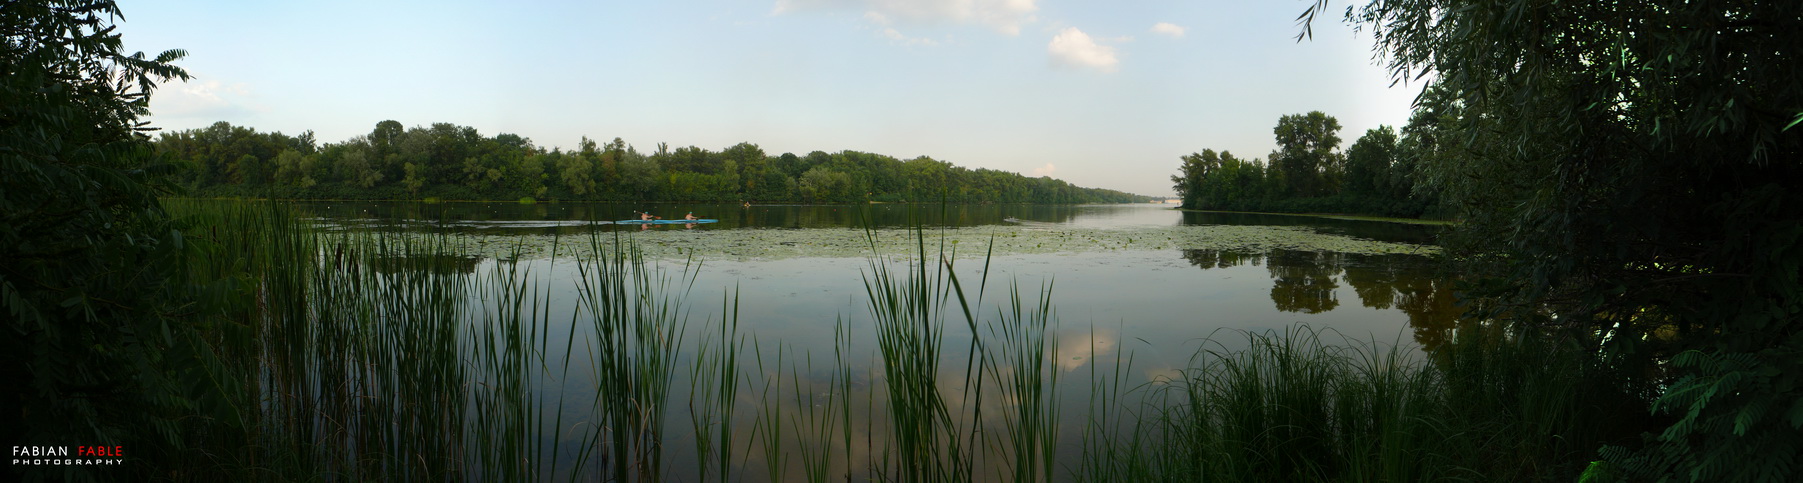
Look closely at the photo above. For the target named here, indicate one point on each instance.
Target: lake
(1134, 292)
(1164, 274)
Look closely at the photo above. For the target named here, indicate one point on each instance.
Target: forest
(1623, 175)
(451, 162)
(1379, 174)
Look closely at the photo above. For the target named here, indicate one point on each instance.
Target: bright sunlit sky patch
(1099, 93)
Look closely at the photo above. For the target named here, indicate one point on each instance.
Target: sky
(1106, 94)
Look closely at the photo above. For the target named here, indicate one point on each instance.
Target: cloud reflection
(1077, 348)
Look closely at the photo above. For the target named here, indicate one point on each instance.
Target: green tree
(294, 169)
(88, 260)
(386, 137)
(692, 159)
(356, 168)
(413, 177)
(607, 167)
(528, 175)
(824, 185)
(1221, 181)
(1630, 168)
(639, 176)
(926, 178)
(1369, 161)
(1306, 144)
(451, 160)
(791, 165)
(577, 170)
(749, 164)
(1193, 176)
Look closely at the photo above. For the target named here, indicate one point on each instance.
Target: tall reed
(910, 330)
(368, 355)
(638, 322)
(714, 376)
(1026, 377)
(1310, 405)
(382, 356)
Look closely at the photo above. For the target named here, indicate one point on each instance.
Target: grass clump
(372, 356)
(1310, 405)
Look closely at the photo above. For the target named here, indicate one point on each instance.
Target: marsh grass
(638, 328)
(909, 312)
(1311, 405)
(1026, 376)
(364, 356)
(714, 376)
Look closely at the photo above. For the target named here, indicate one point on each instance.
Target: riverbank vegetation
(1623, 174)
(1629, 243)
(376, 356)
(447, 161)
(1380, 174)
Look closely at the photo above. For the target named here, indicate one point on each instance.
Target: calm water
(1139, 280)
(1178, 290)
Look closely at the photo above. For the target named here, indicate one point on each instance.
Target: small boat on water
(664, 222)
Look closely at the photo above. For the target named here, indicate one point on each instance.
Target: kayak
(663, 222)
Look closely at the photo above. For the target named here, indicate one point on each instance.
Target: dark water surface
(1153, 302)
(1179, 288)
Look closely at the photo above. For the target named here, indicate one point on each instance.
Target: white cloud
(899, 38)
(1044, 170)
(210, 98)
(1006, 16)
(1074, 48)
(786, 6)
(1168, 28)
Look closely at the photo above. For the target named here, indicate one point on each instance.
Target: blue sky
(1101, 94)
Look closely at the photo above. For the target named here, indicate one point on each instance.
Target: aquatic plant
(365, 355)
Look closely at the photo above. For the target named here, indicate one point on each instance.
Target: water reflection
(436, 264)
(1381, 231)
(1156, 303)
(1304, 281)
(568, 218)
(1076, 348)
(1308, 282)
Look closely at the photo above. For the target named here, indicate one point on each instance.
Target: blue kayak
(662, 222)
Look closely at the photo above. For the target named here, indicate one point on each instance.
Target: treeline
(448, 161)
(1378, 175)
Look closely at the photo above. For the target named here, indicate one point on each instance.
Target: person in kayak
(691, 216)
(643, 216)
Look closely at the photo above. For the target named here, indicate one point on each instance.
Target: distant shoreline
(554, 201)
(1336, 216)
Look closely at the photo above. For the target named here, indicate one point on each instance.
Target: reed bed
(362, 356)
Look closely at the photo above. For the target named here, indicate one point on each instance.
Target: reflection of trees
(1392, 232)
(1407, 284)
(433, 264)
(1433, 310)
(762, 215)
(1304, 281)
(1375, 278)
(1206, 259)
